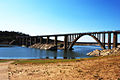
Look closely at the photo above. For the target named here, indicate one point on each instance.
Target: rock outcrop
(104, 52)
(44, 46)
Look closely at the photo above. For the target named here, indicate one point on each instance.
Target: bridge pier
(47, 42)
(26, 41)
(72, 37)
(109, 40)
(55, 41)
(35, 40)
(30, 41)
(41, 40)
(69, 38)
(65, 42)
(103, 39)
(115, 40)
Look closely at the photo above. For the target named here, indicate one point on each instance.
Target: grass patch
(4, 61)
(42, 61)
(53, 60)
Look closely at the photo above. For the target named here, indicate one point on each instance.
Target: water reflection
(30, 53)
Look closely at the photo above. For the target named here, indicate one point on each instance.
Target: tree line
(7, 36)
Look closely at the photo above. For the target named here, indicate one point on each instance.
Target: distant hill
(6, 36)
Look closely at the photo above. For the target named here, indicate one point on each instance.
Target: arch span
(96, 39)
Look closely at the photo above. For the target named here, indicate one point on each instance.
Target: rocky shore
(44, 46)
(105, 52)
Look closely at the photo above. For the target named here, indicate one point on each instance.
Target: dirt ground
(97, 69)
(4, 70)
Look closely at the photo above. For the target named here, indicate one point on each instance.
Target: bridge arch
(96, 39)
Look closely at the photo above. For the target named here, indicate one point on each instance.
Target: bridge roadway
(70, 39)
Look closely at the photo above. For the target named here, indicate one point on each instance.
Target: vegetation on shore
(42, 61)
(4, 60)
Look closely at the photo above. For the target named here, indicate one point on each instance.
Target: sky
(43, 17)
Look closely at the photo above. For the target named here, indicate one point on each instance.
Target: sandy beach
(95, 69)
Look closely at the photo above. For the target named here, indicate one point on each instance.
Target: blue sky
(39, 17)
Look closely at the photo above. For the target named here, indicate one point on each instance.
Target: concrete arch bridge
(70, 39)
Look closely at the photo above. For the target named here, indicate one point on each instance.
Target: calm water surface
(17, 52)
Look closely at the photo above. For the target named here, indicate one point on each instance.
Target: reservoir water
(16, 52)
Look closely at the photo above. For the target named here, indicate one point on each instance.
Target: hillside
(6, 36)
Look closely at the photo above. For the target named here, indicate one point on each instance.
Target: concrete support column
(35, 40)
(47, 42)
(109, 40)
(41, 40)
(103, 39)
(55, 41)
(100, 37)
(38, 40)
(114, 39)
(26, 41)
(30, 41)
(65, 42)
(70, 38)
(75, 36)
